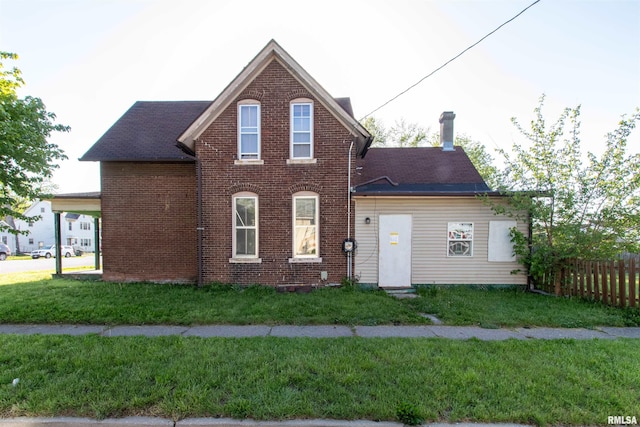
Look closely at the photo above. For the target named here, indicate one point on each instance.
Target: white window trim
(240, 160)
(301, 101)
(449, 240)
(240, 257)
(305, 258)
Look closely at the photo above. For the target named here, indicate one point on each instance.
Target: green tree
(401, 134)
(28, 159)
(588, 209)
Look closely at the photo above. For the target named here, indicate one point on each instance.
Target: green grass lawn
(72, 301)
(510, 307)
(559, 382)
(40, 300)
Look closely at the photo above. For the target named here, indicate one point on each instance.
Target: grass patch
(35, 276)
(72, 301)
(22, 257)
(510, 307)
(36, 298)
(559, 382)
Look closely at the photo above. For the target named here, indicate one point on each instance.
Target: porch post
(56, 218)
(96, 239)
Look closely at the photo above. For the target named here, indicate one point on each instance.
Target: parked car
(50, 251)
(4, 251)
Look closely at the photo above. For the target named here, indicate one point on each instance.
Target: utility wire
(449, 61)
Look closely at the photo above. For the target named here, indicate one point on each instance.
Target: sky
(90, 60)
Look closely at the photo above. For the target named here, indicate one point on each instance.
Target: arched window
(245, 225)
(249, 130)
(301, 129)
(306, 217)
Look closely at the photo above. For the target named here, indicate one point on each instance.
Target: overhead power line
(449, 61)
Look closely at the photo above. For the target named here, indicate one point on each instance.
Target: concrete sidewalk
(327, 331)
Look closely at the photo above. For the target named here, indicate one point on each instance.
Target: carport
(79, 203)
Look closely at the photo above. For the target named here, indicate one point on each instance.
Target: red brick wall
(149, 222)
(275, 181)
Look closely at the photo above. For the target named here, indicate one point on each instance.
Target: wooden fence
(615, 283)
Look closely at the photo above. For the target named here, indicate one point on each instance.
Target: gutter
(392, 193)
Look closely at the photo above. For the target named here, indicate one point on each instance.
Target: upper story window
(302, 129)
(249, 130)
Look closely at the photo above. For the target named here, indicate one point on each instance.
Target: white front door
(394, 261)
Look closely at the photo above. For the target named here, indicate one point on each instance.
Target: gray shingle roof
(417, 171)
(148, 131)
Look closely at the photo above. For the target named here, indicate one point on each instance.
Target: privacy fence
(613, 282)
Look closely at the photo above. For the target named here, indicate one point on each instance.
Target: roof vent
(446, 130)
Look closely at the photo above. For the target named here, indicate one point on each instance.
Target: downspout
(200, 227)
(349, 254)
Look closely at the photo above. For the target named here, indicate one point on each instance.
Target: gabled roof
(148, 131)
(273, 51)
(417, 171)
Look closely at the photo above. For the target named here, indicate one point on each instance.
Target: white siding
(430, 263)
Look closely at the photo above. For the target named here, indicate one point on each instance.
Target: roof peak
(273, 51)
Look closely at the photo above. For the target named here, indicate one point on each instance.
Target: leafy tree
(27, 157)
(588, 209)
(401, 134)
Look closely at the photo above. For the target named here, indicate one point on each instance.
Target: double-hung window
(460, 239)
(249, 131)
(245, 225)
(301, 130)
(305, 225)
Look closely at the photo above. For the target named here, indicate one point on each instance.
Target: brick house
(250, 188)
(264, 184)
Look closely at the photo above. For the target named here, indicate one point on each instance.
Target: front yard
(559, 382)
(69, 301)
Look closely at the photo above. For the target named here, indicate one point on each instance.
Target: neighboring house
(6, 237)
(255, 187)
(76, 230)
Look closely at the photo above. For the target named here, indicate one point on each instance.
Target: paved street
(43, 264)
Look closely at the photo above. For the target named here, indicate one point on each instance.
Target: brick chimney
(446, 130)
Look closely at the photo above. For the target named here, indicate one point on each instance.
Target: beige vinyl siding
(430, 263)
